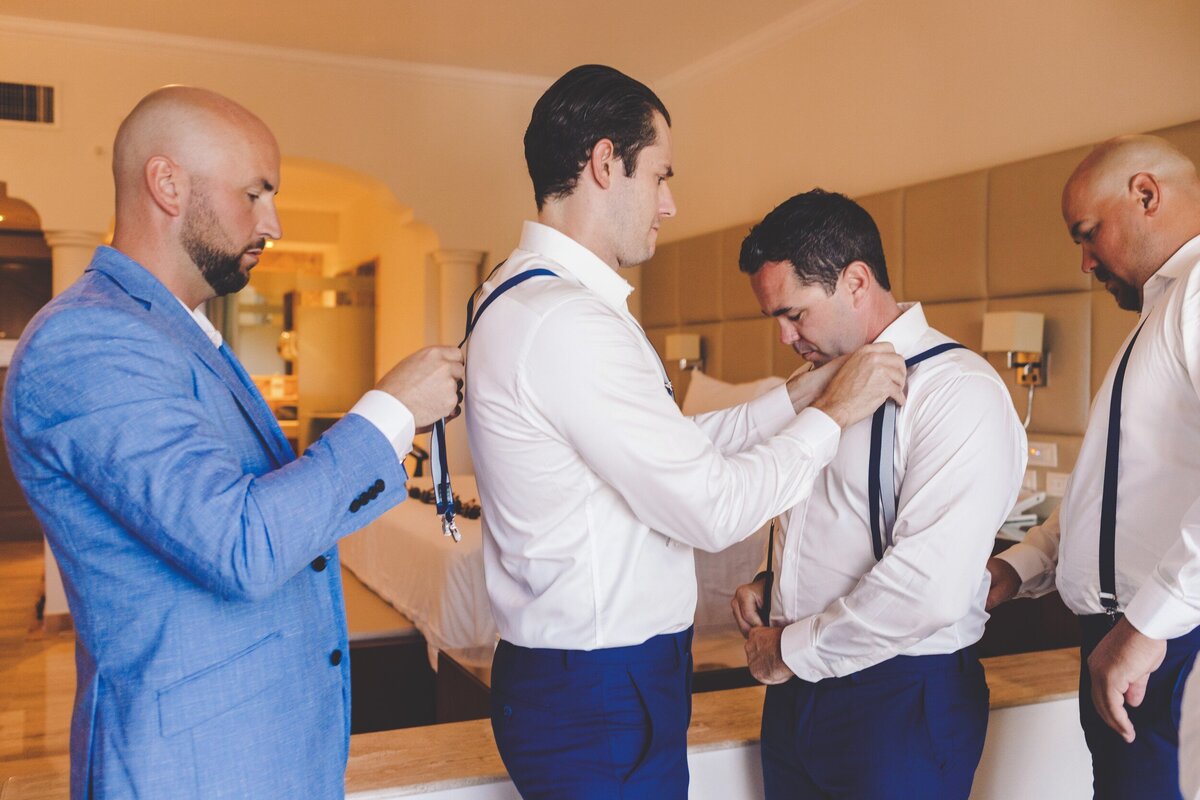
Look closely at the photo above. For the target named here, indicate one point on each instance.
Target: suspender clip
(1109, 601)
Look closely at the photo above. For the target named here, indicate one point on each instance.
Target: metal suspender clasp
(1109, 601)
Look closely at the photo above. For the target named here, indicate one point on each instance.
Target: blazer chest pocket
(221, 687)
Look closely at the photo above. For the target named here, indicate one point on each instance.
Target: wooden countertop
(417, 760)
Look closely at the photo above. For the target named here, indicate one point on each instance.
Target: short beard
(1128, 297)
(221, 270)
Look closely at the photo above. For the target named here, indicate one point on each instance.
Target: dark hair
(589, 103)
(820, 233)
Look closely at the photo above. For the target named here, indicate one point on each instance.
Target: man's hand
(746, 603)
(871, 375)
(806, 383)
(1121, 665)
(1005, 582)
(428, 382)
(764, 656)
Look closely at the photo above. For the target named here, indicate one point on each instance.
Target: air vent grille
(24, 102)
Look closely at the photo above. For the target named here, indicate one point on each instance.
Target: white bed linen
(403, 557)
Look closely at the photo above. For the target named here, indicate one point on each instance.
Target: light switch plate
(1030, 480)
(1056, 483)
(1043, 454)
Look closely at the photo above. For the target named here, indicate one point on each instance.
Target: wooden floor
(37, 672)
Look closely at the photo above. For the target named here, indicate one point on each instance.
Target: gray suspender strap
(881, 488)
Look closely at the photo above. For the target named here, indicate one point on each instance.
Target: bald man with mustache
(197, 550)
(1123, 548)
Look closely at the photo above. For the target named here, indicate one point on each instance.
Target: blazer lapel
(176, 322)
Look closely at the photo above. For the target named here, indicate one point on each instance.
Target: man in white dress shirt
(595, 487)
(875, 690)
(1123, 548)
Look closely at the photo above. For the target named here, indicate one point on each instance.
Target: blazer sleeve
(118, 414)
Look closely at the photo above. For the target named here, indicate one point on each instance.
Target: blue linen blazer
(198, 553)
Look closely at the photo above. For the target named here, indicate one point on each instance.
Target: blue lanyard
(442, 491)
(880, 479)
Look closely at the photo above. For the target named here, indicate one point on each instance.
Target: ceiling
(648, 38)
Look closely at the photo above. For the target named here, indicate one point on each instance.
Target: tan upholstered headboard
(987, 240)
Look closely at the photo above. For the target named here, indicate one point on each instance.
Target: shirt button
(335, 657)
(319, 563)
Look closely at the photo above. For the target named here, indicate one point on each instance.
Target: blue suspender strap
(442, 491)
(1108, 502)
(881, 491)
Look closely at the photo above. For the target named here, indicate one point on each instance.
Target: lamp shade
(683, 347)
(1013, 331)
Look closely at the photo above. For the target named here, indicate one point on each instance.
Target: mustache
(261, 244)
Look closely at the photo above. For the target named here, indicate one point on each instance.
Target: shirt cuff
(1029, 562)
(391, 417)
(820, 432)
(796, 648)
(773, 410)
(1157, 613)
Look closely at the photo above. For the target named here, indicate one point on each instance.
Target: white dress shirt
(958, 460)
(390, 416)
(1158, 513)
(595, 487)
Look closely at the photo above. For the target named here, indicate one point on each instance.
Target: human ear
(164, 183)
(601, 161)
(1144, 187)
(857, 278)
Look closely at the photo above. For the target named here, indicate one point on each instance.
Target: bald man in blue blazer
(198, 552)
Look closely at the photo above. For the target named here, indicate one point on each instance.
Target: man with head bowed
(1123, 548)
(199, 553)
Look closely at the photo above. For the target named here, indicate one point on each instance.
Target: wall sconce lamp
(1018, 334)
(686, 348)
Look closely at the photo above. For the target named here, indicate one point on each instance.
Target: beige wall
(450, 149)
(896, 92)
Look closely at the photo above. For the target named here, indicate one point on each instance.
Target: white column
(458, 275)
(70, 253)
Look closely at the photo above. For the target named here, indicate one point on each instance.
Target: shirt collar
(906, 330)
(206, 326)
(1177, 266)
(576, 259)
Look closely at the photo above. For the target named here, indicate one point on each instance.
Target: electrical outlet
(1030, 480)
(1043, 454)
(1056, 483)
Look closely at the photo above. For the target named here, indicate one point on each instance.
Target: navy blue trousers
(909, 727)
(599, 724)
(1148, 769)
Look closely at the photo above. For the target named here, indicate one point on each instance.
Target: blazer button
(335, 657)
(355, 505)
(372, 493)
(380, 485)
(319, 563)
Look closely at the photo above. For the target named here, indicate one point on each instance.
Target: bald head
(186, 124)
(196, 176)
(1111, 165)
(1130, 204)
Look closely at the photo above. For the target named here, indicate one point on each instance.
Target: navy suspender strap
(1108, 502)
(881, 491)
(442, 490)
(768, 576)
